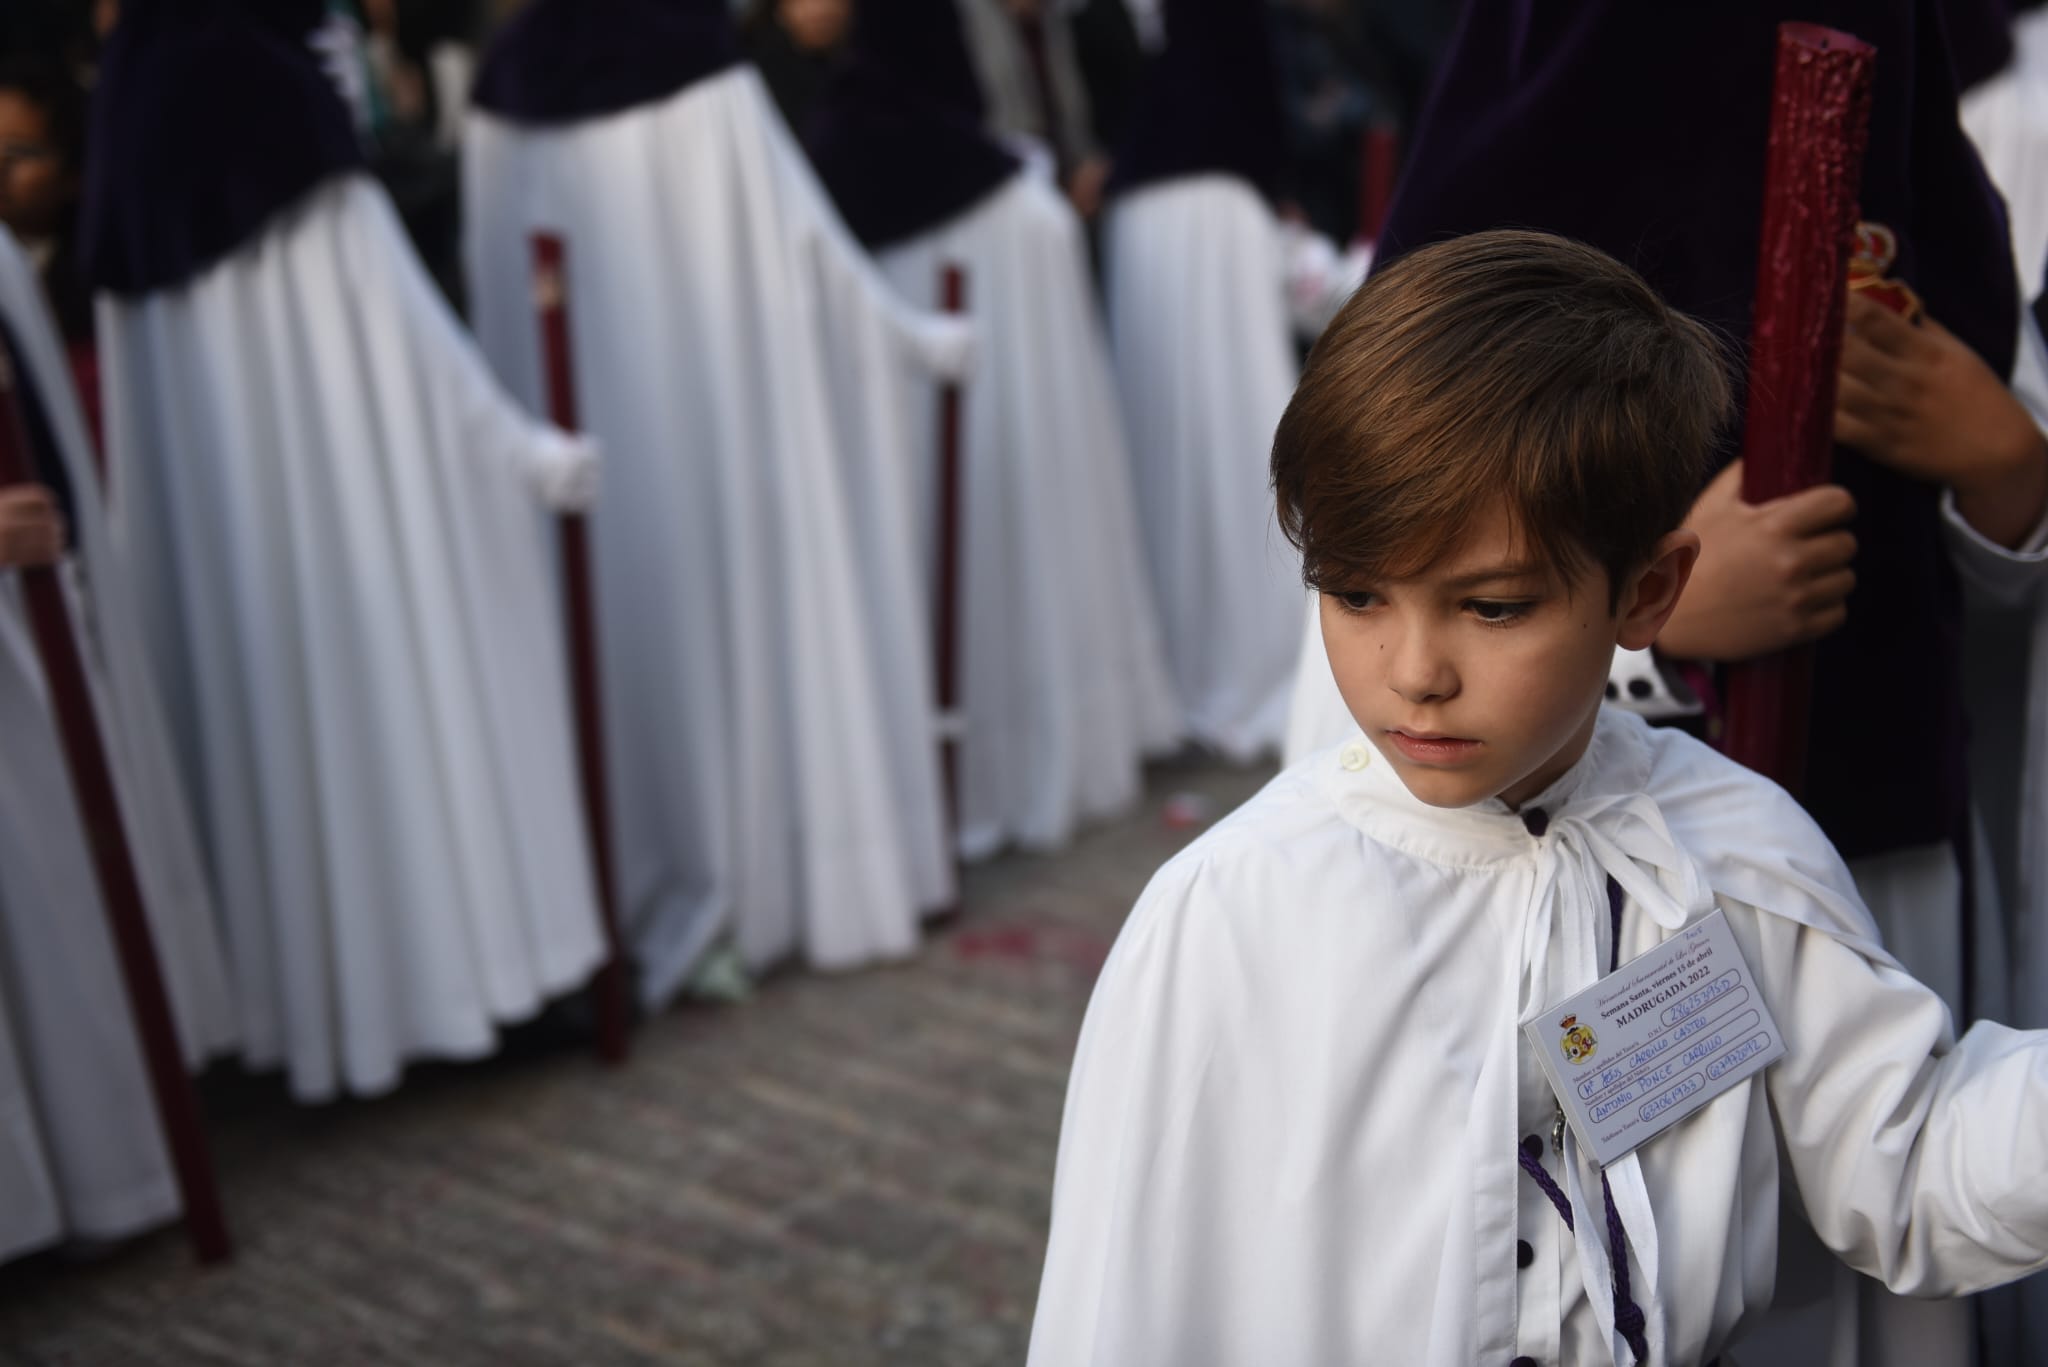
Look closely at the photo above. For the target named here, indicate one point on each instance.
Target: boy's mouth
(1430, 747)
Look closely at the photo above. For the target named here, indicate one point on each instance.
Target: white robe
(81, 1154)
(766, 646)
(2007, 118)
(1290, 1132)
(1064, 685)
(332, 516)
(2009, 655)
(1197, 279)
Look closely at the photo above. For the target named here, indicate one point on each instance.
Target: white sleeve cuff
(2007, 576)
(948, 345)
(563, 467)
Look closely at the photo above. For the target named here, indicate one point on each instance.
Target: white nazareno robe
(1197, 277)
(333, 518)
(766, 643)
(2007, 118)
(1064, 683)
(81, 1155)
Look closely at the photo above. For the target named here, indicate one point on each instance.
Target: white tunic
(1291, 1127)
(2009, 727)
(1199, 320)
(1064, 685)
(2009, 589)
(766, 644)
(80, 1151)
(2007, 118)
(331, 516)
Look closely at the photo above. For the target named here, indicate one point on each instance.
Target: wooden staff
(99, 812)
(1820, 124)
(946, 609)
(1379, 163)
(551, 305)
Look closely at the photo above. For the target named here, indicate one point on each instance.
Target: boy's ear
(1647, 605)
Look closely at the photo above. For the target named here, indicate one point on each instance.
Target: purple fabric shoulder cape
(1979, 38)
(898, 137)
(210, 116)
(1209, 103)
(560, 61)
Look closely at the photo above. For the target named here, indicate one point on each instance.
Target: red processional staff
(99, 811)
(1820, 124)
(551, 305)
(1379, 165)
(946, 569)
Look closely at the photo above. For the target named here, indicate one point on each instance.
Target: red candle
(1820, 124)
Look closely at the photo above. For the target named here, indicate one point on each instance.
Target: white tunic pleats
(766, 643)
(1064, 678)
(2007, 118)
(1199, 322)
(332, 513)
(80, 1151)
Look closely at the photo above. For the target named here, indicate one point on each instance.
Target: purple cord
(1547, 1185)
(1629, 1318)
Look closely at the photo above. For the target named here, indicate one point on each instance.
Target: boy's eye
(1496, 611)
(1356, 602)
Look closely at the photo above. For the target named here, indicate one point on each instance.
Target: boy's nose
(1419, 671)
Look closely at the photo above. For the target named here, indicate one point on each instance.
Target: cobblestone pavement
(846, 1170)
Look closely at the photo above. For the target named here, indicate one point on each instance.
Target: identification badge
(1656, 1040)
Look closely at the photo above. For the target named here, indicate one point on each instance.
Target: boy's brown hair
(1506, 365)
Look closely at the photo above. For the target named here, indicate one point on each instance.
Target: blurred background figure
(42, 176)
(794, 44)
(1030, 73)
(42, 154)
(66, 31)
(1196, 276)
(404, 68)
(766, 643)
(1331, 98)
(1065, 687)
(1111, 40)
(329, 513)
(81, 1155)
(2005, 111)
(2002, 64)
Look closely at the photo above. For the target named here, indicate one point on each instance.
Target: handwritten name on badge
(1651, 1043)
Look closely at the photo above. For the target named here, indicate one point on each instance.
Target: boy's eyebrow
(1520, 569)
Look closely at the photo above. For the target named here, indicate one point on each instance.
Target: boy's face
(1482, 676)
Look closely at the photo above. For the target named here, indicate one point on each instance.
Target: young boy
(1306, 1125)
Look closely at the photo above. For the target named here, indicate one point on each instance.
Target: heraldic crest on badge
(1872, 252)
(1579, 1043)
